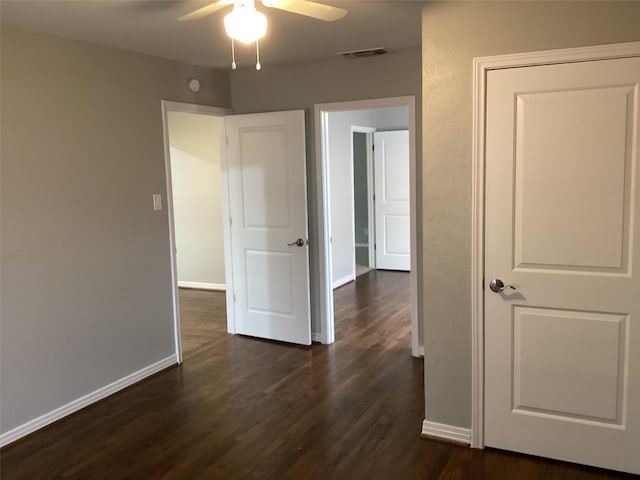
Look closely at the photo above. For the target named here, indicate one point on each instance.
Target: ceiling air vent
(369, 52)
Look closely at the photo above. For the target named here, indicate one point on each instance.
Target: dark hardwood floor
(245, 408)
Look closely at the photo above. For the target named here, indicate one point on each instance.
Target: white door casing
(392, 222)
(324, 274)
(268, 206)
(562, 352)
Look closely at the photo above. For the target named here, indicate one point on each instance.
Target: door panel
(268, 204)
(592, 342)
(562, 351)
(265, 189)
(391, 160)
(264, 295)
(547, 140)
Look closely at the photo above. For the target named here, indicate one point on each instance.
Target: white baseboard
(448, 432)
(203, 286)
(316, 337)
(84, 401)
(421, 350)
(362, 245)
(343, 281)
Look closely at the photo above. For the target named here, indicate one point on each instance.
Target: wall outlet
(157, 202)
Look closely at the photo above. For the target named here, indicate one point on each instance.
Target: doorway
(196, 200)
(336, 224)
(264, 211)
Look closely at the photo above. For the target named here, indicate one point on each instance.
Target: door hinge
(230, 221)
(375, 246)
(226, 140)
(374, 197)
(373, 147)
(235, 299)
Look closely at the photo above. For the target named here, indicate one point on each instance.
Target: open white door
(393, 235)
(562, 350)
(268, 205)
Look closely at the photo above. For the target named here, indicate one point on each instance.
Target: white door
(268, 205)
(562, 351)
(391, 170)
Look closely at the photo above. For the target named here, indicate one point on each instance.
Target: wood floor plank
(242, 408)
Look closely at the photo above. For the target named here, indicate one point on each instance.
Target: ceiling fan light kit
(245, 24)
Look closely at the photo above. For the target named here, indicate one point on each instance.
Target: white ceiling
(150, 26)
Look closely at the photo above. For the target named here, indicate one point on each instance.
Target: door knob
(497, 285)
(299, 242)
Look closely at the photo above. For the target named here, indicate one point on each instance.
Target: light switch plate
(157, 202)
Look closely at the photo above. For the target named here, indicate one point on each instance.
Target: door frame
(368, 131)
(169, 106)
(325, 298)
(481, 66)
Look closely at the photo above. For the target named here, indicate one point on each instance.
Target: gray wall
(302, 86)
(453, 33)
(86, 293)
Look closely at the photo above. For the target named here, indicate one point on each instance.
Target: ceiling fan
(247, 25)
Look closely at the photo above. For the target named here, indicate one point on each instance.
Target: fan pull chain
(233, 55)
(258, 66)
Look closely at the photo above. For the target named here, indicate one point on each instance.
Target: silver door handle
(497, 285)
(299, 242)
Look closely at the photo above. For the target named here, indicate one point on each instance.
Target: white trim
(194, 108)
(362, 245)
(325, 268)
(562, 55)
(447, 432)
(168, 106)
(344, 280)
(325, 288)
(203, 286)
(480, 68)
(477, 260)
(371, 188)
(84, 401)
(413, 219)
(226, 227)
(421, 351)
(316, 337)
(368, 131)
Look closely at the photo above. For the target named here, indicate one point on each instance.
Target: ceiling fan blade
(206, 10)
(308, 8)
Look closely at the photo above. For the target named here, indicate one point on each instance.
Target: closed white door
(268, 205)
(391, 167)
(562, 351)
